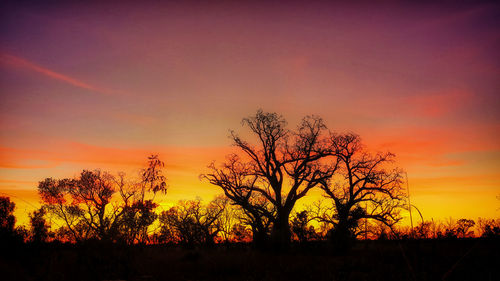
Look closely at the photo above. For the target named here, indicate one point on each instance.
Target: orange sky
(103, 86)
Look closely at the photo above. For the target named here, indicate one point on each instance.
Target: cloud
(435, 147)
(23, 63)
(178, 159)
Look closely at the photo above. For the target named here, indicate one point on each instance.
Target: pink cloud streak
(23, 63)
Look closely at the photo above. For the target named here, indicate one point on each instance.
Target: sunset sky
(105, 85)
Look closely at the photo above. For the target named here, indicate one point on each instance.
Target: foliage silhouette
(190, 223)
(463, 226)
(7, 218)
(98, 205)
(301, 228)
(153, 176)
(83, 204)
(488, 228)
(8, 233)
(11, 237)
(39, 227)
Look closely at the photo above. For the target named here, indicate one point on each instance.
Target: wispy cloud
(179, 159)
(23, 63)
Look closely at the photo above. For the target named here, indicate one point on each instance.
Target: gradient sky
(104, 85)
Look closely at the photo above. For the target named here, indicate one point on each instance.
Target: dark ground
(471, 259)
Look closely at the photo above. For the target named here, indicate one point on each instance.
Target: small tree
(488, 228)
(227, 219)
(153, 178)
(7, 218)
(463, 226)
(424, 230)
(39, 228)
(254, 217)
(301, 228)
(8, 233)
(191, 223)
(449, 228)
(139, 212)
(136, 219)
(240, 233)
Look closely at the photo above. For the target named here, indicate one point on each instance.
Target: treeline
(193, 223)
(363, 197)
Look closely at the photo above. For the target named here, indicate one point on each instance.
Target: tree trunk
(340, 236)
(281, 235)
(259, 238)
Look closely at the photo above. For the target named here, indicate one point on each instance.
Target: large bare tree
(365, 186)
(281, 166)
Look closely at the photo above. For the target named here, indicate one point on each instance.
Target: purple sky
(102, 85)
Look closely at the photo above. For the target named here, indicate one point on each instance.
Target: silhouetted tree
(301, 228)
(83, 204)
(376, 230)
(138, 212)
(491, 231)
(152, 176)
(435, 229)
(7, 221)
(191, 223)
(22, 233)
(423, 230)
(365, 187)
(39, 228)
(463, 226)
(7, 218)
(240, 233)
(10, 235)
(488, 228)
(449, 229)
(136, 219)
(282, 167)
(87, 208)
(254, 217)
(227, 218)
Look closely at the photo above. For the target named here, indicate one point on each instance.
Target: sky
(104, 85)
